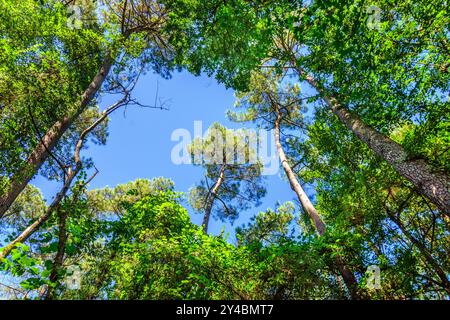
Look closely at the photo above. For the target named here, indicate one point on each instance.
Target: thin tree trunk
(297, 188)
(59, 258)
(41, 152)
(71, 174)
(433, 185)
(212, 197)
(28, 232)
(347, 275)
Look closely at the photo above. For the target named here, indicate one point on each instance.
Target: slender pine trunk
(347, 275)
(31, 229)
(71, 174)
(41, 152)
(429, 183)
(212, 197)
(59, 258)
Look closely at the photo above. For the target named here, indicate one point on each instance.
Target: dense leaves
(357, 91)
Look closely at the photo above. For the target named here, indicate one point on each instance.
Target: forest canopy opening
(323, 172)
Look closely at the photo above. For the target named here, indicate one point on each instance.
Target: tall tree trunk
(30, 230)
(59, 258)
(347, 275)
(71, 175)
(212, 196)
(445, 283)
(433, 185)
(41, 152)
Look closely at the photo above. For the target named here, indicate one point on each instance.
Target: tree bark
(30, 230)
(347, 275)
(296, 187)
(71, 174)
(433, 185)
(59, 258)
(212, 197)
(41, 152)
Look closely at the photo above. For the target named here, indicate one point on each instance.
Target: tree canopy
(355, 93)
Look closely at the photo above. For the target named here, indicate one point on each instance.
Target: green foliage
(136, 241)
(154, 252)
(376, 217)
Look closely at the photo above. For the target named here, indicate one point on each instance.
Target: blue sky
(139, 143)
